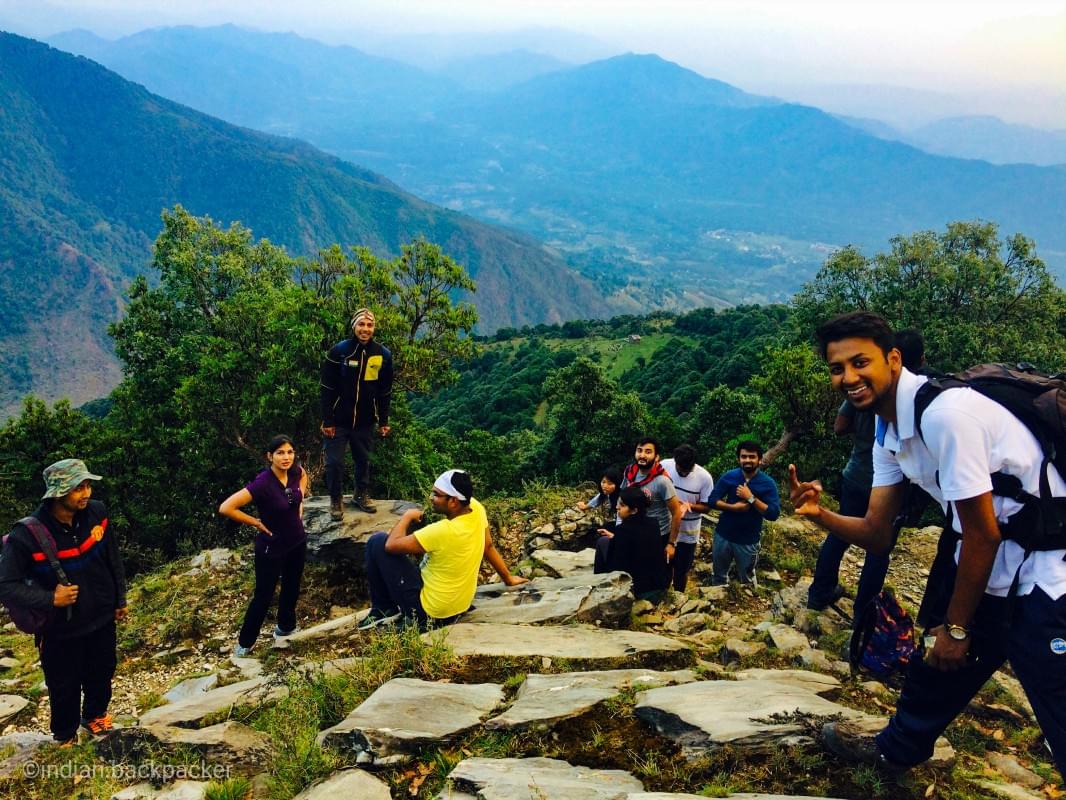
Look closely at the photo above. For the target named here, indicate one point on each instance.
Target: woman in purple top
(281, 544)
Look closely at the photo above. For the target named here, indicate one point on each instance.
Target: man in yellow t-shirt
(452, 548)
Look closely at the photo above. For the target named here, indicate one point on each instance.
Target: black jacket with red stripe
(88, 552)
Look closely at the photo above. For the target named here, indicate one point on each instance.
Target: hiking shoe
(378, 617)
(838, 592)
(66, 744)
(362, 502)
(100, 725)
(241, 652)
(855, 742)
(279, 633)
(336, 509)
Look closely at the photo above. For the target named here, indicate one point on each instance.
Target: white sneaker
(241, 652)
(279, 633)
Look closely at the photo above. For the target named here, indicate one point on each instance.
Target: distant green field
(617, 355)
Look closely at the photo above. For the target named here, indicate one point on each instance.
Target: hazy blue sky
(988, 51)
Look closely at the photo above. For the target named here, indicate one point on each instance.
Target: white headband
(444, 483)
(362, 312)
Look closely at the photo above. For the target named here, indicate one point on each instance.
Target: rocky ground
(562, 688)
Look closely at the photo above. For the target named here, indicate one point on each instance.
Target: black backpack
(1038, 401)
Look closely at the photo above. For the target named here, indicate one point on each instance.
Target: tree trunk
(780, 446)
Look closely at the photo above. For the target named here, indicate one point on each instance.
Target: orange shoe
(100, 725)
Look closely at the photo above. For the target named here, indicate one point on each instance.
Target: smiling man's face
(862, 372)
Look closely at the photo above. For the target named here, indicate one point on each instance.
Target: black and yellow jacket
(356, 384)
(90, 557)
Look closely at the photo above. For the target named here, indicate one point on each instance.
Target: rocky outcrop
(543, 700)
(406, 715)
(551, 779)
(190, 712)
(226, 744)
(564, 562)
(583, 646)
(344, 542)
(348, 784)
(747, 714)
(604, 599)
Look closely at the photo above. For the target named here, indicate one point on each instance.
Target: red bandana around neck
(634, 469)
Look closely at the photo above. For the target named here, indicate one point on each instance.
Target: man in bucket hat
(355, 392)
(77, 645)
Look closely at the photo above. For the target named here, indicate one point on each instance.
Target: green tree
(224, 352)
(974, 296)
(591, 423)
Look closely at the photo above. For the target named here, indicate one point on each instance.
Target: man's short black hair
(685, 456)
(464, 485)
(911, 346)
(856, 325)
(634, 497)
(751, 446)
(649, 440)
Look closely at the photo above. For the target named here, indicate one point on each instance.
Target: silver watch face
(958, 634)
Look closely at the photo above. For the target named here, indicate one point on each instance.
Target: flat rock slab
(754, 714)
(349, 784)
(545, 699)
(179, 790)
(787, 639)
(741, 796)
(20, 748)
(1008, 791)
(584, 597)
(406, 715)
(338, 626)
(227, 743)
(802, 678)
(193, 687)
(190, 713)
(589, 646)
(538, 779)
(10, 705)
(564, 563)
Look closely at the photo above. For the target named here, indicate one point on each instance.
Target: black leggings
(684, 555)
(289, 568)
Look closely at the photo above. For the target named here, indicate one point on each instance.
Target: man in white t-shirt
(693, 485)
(963, 439)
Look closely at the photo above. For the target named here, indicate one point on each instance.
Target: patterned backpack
(883, 642)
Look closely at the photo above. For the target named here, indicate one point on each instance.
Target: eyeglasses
(290, 496)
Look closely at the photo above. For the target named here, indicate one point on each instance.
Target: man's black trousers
(82, 665)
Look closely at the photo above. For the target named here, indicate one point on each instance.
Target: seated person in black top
(635, 546)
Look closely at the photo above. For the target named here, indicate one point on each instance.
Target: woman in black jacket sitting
(635, 547)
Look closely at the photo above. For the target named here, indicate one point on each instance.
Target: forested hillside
(88, 161)
(669, 188)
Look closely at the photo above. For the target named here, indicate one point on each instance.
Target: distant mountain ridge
(88, 160)
(668, 188)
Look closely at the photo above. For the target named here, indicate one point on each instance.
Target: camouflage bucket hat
(62, 477)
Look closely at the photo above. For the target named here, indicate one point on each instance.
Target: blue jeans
(725, 552)
(1033, 640)
(361, 442)
(854, 499)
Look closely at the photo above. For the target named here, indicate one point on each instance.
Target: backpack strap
(48, 546)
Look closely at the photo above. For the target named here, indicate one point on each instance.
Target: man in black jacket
(355, 394)
(77, 646)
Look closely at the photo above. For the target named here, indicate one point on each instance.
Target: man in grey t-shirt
(647, 473)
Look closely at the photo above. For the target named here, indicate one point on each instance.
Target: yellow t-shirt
(454, 548)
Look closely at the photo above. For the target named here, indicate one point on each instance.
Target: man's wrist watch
(751, 500)
(957, 632)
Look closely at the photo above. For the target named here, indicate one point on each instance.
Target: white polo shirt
(967, 437)
(692, 488)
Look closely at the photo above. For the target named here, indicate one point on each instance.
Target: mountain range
(87, 162)
(666, 187)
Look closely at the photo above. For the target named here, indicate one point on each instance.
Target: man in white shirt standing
(693, 485)
(963, 439)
